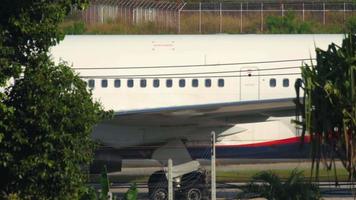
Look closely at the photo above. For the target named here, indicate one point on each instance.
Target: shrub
(268, 185)
(287, 24)
(351, 24)
(47, 140)
(74, 28)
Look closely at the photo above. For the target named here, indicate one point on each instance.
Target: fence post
(324, 17)
(95, 14)
(179, 21)
(89, 13)
(303, 11)
(141, 17)
(282, 7)
(125, 15)
(166, 19)
(170, 179)
(199, 17)
(85, 14)
(109, 13)
(344, 12)
(179, 11)
(213, 169)
(220, 18)
(122, 13)
(261, 16)
(241, 17)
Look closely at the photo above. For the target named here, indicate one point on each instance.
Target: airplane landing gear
(158, 186)
(193, 194)
(190, 186)
(159, 194)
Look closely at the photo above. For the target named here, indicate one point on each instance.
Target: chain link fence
(210, 17)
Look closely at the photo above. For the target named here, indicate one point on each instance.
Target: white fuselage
(129, 52)
(244, 65)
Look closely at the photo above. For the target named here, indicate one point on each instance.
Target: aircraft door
(249, 84)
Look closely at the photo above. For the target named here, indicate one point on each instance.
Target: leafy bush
(351, 24)
(268, 185)
(47, 139)
(74, 28)
(91, 194)
(287, 24)
(47, 117)
(131, 194)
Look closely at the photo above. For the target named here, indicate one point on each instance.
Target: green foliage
(131, 194)
(91, 194)
(47, 140)
(88, 193)
(268, 185)
(351, 25)
(287, 24)
(29, 28)
(47, 117)
(120, 27)
(105, 185)
(328, 108)
(74, 28)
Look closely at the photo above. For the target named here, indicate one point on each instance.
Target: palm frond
(268, 185)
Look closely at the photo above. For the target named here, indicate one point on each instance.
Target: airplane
(169, 92)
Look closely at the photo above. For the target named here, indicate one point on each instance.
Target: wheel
(159, 194)
(193, 186)
(157, 186)
(193, 194)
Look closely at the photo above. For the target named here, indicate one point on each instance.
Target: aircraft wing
(219, 114)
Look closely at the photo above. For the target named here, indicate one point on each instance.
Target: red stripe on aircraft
(272, 143)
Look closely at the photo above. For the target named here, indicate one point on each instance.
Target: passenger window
(182, 83)
(169, 83)
(272, 82)
(285, 82)
(91, 83)
(143, 83)
(195, 83)
(207, 82)
(156, 83)
(117, 83)
(221, 82)
(130, 83)
(104, 83)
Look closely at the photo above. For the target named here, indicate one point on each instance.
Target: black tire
(159, 194)
(193, 193)
(157, 186)
(194, 186)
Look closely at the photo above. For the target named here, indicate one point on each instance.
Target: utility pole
(213, 170)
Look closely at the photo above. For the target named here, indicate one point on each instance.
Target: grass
(246, 175)
(235, 176)
(76, 27)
